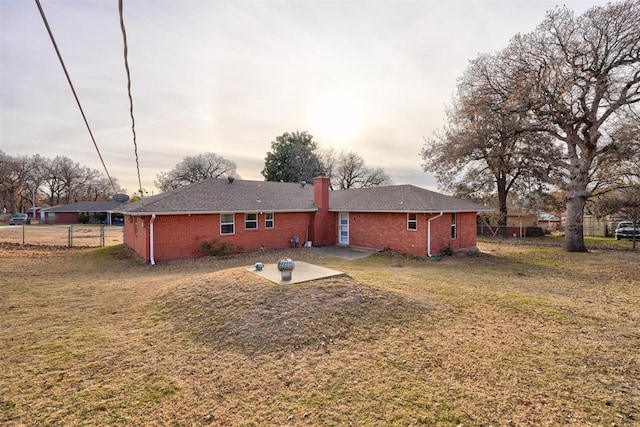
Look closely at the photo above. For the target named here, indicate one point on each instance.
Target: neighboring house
(549, 222)
(254, 215)
(98, 211)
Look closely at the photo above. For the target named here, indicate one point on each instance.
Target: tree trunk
(574, 228)
(501, 183)
(12, 200)
(581, 160)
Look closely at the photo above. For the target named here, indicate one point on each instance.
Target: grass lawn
(523, 334)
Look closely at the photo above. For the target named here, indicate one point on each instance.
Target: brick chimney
(321, 192)
(324, 223)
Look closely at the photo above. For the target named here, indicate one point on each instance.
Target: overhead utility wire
(75, 95)
(133, 120)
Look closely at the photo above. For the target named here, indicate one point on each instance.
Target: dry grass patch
(82, 235)
(520, 335)
(233, 310)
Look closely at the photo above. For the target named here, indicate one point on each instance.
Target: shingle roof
(216, 195)
(86, 206)
(398, 198)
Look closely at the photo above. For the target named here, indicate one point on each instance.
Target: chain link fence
(71, 236)
(590, 229)
(510, 231)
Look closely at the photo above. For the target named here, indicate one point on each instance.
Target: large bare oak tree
(484, 152)
(573, 75)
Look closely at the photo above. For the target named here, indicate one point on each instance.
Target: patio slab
(303, 272)
(345, 252)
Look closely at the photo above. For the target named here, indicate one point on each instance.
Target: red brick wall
(179, 236)
(66, 218)
(136, 236)
(386, 230)
(467, 230)
(465, 235)
(325, 228)
(389, 230)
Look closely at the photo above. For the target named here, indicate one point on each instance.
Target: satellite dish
(120, 197)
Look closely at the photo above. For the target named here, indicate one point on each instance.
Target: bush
(448, 250)
(83, 218)
(534, 232)
(217, 248)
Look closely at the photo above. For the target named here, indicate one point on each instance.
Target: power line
(133, 120)
(75, 95)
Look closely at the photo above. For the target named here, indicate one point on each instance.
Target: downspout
(151, 254)
(429, 233)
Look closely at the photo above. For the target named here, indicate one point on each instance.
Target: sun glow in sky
(336, 117)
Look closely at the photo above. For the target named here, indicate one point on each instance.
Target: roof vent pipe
(230, 179)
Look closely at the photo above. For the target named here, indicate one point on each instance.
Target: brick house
(260, 214)
(98, 212)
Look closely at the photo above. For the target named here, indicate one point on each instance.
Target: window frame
(454, 225)
(248, 221)
(267, 220)
(412, 221)
(232, 224)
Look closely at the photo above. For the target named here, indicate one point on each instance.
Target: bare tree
(625, 136)
(484, 152)
(195, 169)
(96, 186)
(64, 180)
(572, 75)
(347, 169)
(33, 181)
(53, 185)
(27, 180)
(73, 176)
(14, 173)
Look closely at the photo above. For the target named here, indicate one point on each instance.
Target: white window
(227, 225)
(454, 219)
(412, 221)
(268, 220)
(251, 221)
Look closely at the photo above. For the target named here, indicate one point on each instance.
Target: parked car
(624, 230)
(19, 219)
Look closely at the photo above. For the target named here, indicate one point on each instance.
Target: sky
(228, 77)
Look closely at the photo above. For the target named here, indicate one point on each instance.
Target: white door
(343, 229)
